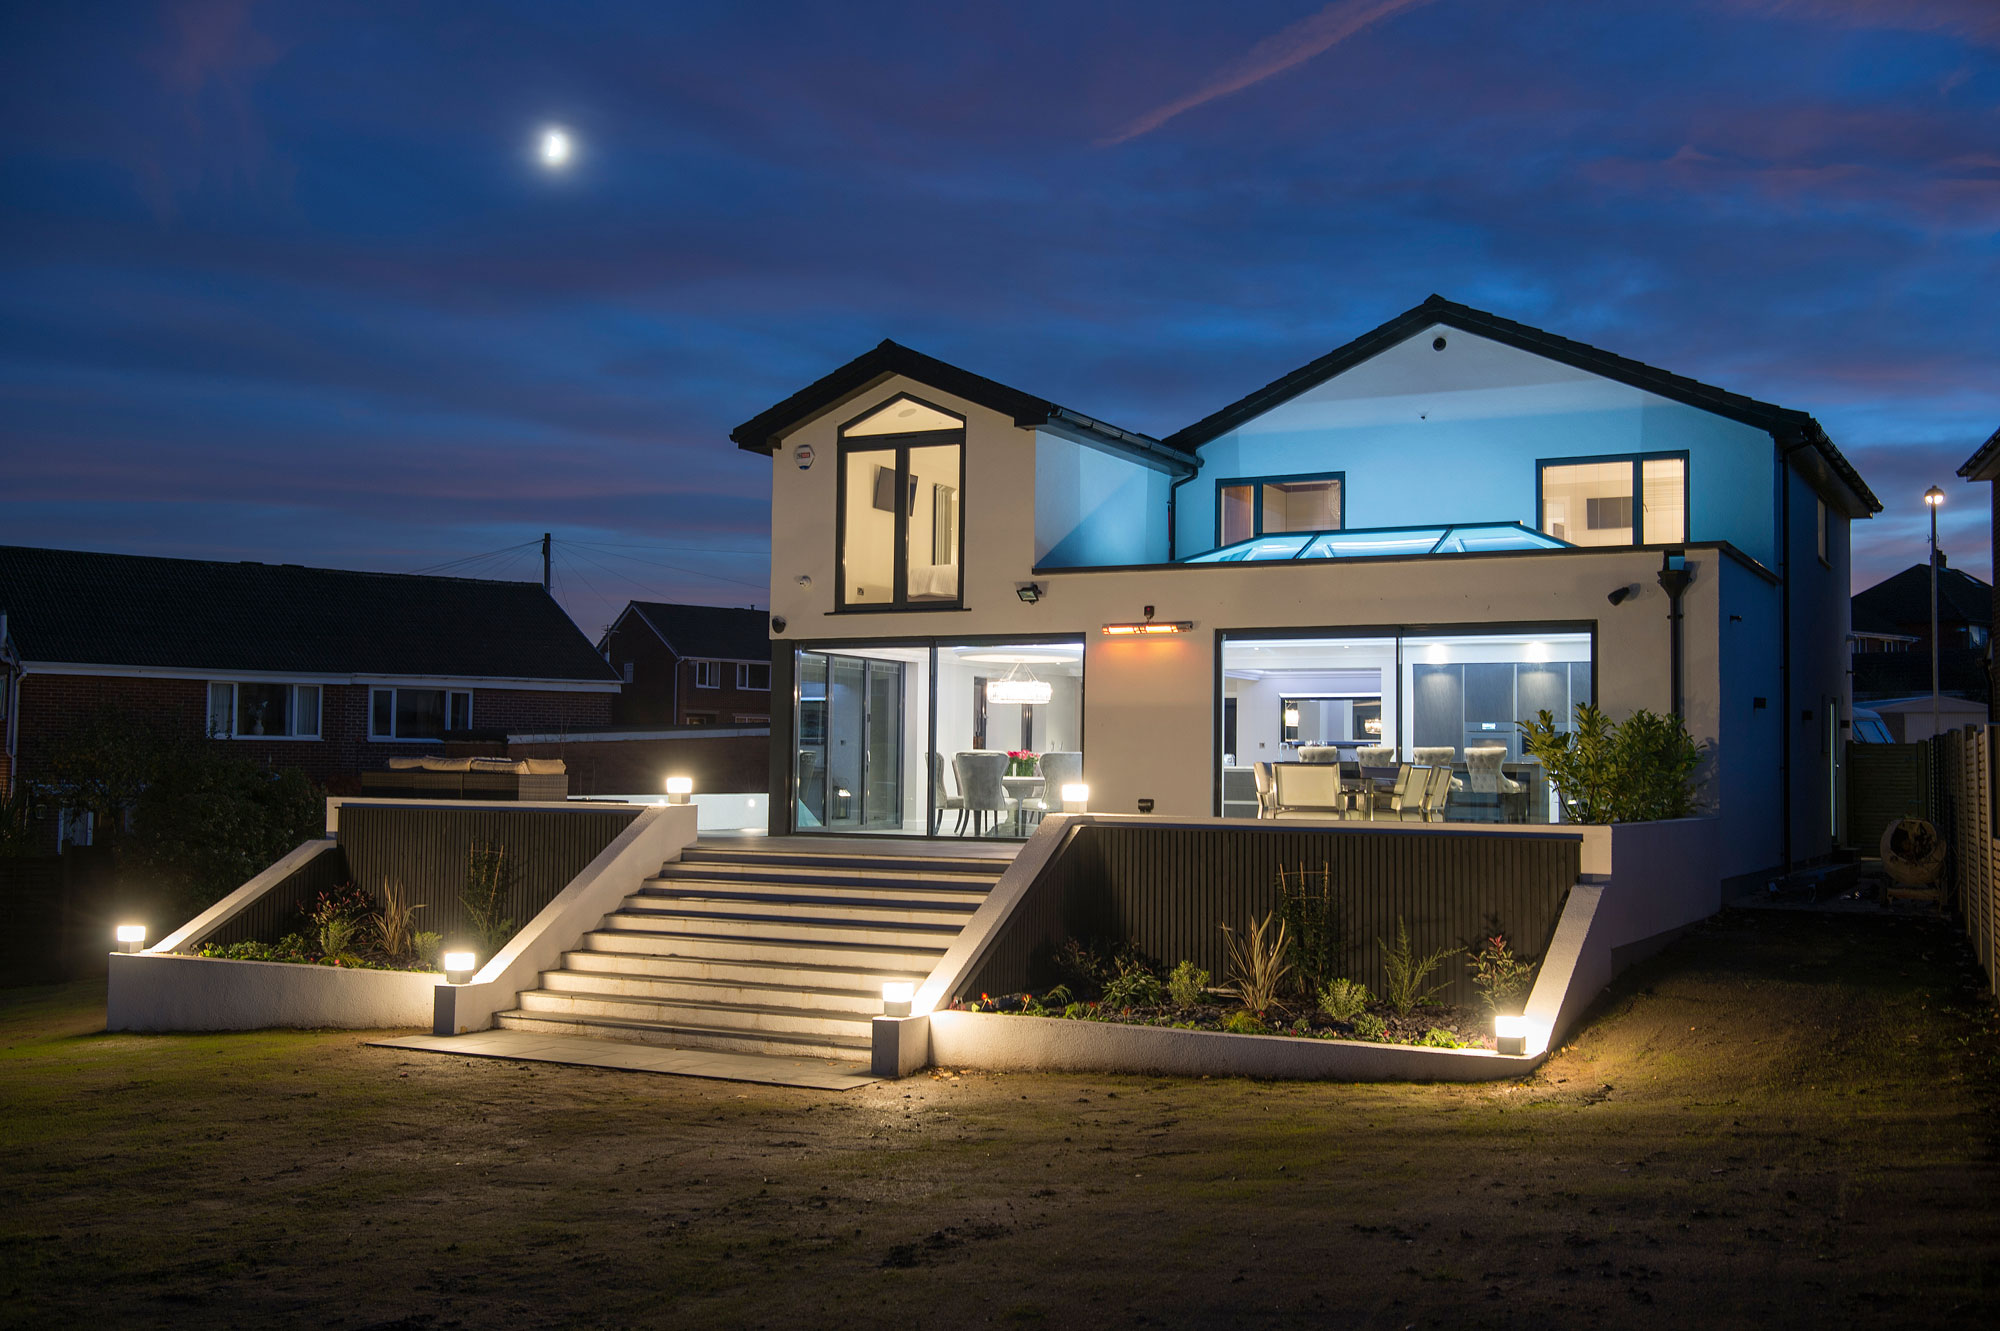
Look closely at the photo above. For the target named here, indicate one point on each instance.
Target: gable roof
(1904, 599)
(718, 632)
(763, 432)
(83, 608)
(1785, 426)
(1984, 465)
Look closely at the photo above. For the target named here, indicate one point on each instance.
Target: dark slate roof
(83, 608)
(1903, 600)
(762, 432)
(1785, 426)
(718, 632)
(1980, 466)
(1888, 675)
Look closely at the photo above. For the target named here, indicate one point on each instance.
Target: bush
(1638, 771)
(1501, 978)
(1439, 1038)
(1245, 1022)
(1257, 964)
(1134, 985)
(1312, 927)
(1188, 985)
(1406, 971)
(1342, 999)
(488, 876)
(1368, 1026)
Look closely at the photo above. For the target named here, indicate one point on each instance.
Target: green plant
(1500, 977)
(1405, 971)
(1188, 985)
(336, 936)
(1312, 923)
(392, 922)
(425, 946)
(1439, 1038)
(1341, 999)
(488, 877)
(1134, 985)
(1368, 1026)
(17, 823)
(1244, 1022)
(1257, 964)
(1642, 769)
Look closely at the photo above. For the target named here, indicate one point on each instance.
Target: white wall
(1093, 507)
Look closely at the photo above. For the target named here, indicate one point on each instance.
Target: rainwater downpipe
(1675, 576)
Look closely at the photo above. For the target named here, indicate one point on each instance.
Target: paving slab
(582, 1051)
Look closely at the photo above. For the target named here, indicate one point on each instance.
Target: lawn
(1786, 1119)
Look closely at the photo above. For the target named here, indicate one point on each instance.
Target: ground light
(896, 998)
(1510, 1035)
(131, 937)
(680, 789)
(1075, 797)
(458, 967)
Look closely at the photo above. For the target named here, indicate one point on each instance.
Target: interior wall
(1094, 508)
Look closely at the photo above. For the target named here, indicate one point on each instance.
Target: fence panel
(1965, 761)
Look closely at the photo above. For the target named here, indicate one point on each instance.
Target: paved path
(581, 1051)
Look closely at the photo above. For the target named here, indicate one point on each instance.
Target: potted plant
(1021, 763)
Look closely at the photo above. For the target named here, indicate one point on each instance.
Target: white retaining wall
(160, 991)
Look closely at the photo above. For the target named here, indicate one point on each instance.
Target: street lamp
(1933, 498)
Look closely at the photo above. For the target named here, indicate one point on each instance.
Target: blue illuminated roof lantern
(1464, 539)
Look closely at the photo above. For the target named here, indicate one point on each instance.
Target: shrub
(1257, 964)
(487, 879)
(1312, 924)
(1368, 1026)
(1406, 972)
(1439, 1038)
(1188, 985)
(1642, 769)
(392, 922)
(425, 946)
(1342, 999)
(1134, 985)
(1500, 977)
(336, 936)
(1245, 1022)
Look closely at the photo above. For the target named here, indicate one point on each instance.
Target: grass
(1785, 1119)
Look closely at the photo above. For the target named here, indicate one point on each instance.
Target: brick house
(690, 665)
(327, 670)
(1984, 465)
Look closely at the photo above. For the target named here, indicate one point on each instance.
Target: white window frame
(225, 727)
(708, 674)
(450, 705)
(746, 719)
(743, 669)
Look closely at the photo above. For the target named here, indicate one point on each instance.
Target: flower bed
(1431, 1026)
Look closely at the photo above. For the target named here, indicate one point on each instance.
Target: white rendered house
(1447, 525)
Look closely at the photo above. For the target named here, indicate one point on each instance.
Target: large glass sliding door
(852, 707)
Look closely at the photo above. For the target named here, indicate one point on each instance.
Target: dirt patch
(1787, 1119)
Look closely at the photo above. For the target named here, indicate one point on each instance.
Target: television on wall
(885, 491)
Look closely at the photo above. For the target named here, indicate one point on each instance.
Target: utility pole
(1933, 497)
(545, 562)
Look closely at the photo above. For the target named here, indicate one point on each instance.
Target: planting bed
(1434, 1025)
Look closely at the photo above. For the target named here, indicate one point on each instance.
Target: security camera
(1618, 595)
(777, 623)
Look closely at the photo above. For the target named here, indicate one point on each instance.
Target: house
(1984, 465)
(1450, 523)
(327, 670)
(1892, 635)
(690, 665)
(10, 707)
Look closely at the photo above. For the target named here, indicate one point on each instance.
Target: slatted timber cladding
(1885, 783)
(1168, 890)
(281, 909)
(1965, 818)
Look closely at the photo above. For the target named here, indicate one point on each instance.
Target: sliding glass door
(849, 775)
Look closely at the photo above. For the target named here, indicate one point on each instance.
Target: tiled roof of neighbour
(1905, 599)
(1783, 424)
(1980, 466)
(762, 432)
(718, 632)
(84, 608)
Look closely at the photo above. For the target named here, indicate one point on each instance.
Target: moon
(556, 148)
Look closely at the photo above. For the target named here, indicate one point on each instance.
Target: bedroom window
(244, 710)
(753, 676)
(708, 674)
(902, 479)
(418, 713)
(1259, 506)
(1624, 500)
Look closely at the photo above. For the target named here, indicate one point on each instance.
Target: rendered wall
(1092, 507)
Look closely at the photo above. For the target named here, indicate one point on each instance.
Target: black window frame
(1257, 501)
(1638, 461)
(900, 444)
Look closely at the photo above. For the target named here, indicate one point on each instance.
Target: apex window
(242, 710)
(902, 478)
(1257, 506)
(418, 713)
(1630, 499)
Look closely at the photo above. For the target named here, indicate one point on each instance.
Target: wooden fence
(1966, 784)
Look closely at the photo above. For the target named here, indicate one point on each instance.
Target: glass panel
(382, 713)
(882, 763)
(1239, 513)
(933, 542)
(461, 712)
(1305, 699)
(1350, 545)
(305, 707)
(1029, 697)
(1301, 506)
(419, 713)
(904, 417)
(221, 708)
(1588, 503)
(1664, 481)
(810, 794)
(868, 558)
(260, 709)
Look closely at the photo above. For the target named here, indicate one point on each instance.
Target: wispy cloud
(1309, 37)
(1978, 20)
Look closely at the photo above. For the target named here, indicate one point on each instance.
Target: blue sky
(285, 282)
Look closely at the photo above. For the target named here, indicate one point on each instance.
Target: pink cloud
(1311, 36)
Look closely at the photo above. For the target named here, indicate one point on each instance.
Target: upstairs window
(418, 713)
(754, 676)
(708, 674)
(902, 478)
(243, 710)
(1260, 506)
(1629, 499)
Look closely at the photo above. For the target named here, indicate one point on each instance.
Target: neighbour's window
(1261, 505)
(700, 719)
(1629, 500)
(627, 669)
(753, 675)
(901, 479)
(708, 674)
(743, 720)
(418, 713)
(246, 710)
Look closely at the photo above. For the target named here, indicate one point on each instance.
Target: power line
(473, 559)
(692, 572)
(693, 549)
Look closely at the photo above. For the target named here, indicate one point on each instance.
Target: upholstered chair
(942, 801)
(1434, 755)
(1376, 755)
(1318, 753)
(1059, 768)
(980, 786)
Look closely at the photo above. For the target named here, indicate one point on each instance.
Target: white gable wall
(1096, 508)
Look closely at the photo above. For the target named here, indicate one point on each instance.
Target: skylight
(1471, 538)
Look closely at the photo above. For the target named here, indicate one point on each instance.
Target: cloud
(1309, 37)
(1976, 20)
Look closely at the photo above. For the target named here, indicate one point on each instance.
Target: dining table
(1020, 788)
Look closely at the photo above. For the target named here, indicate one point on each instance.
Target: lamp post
(1933, 498)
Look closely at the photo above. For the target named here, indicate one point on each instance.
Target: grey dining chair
(981, 788)
(940, 800)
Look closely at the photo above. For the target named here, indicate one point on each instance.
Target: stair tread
(650, 893)
(789, 967)
(806, 943)
(705, 982)
(768, 1009)
(977, 865)
(912, 926)
(712, 1032)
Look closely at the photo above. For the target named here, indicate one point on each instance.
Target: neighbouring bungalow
(327, 670)
(1395, 552)
(690, 665)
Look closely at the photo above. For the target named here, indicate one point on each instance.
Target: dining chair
(980, 786)
(940, 800)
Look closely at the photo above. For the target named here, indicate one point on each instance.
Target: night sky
(288, 283)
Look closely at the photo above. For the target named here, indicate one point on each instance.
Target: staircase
(775, 950)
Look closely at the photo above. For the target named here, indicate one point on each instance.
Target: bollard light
(896, 998)
(1510, 1035)
(458, 967)
(1075, 797)
(131, 937)
(680, 789)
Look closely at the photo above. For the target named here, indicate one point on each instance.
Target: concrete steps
(781, 950)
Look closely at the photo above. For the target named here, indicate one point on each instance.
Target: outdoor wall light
(1149, 626)
(777, 623)
(1075, 797)
(1029, 592)
(1619, 595)
(1145, 806)
(896, 998)
(1510, 1035)
(131, 937)
(680, 789)
(458, 967)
